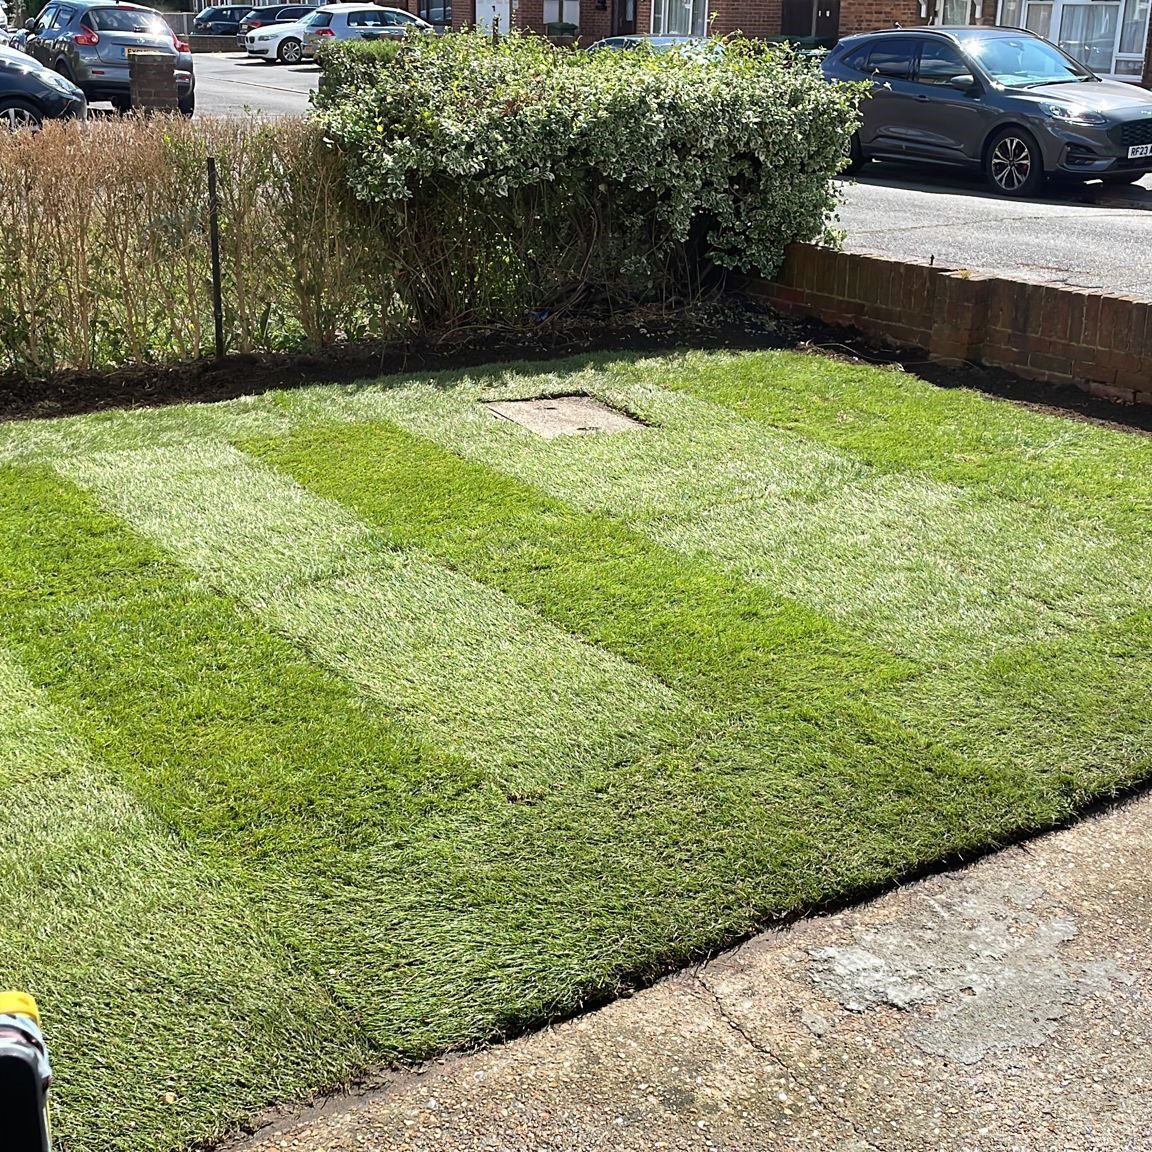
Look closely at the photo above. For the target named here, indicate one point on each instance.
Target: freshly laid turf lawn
(344, 726)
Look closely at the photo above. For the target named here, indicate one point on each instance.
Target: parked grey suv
(998, 99)
(89, 42)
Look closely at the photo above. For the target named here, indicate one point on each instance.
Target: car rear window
(124, 20)
(318, 20)
(890, 57)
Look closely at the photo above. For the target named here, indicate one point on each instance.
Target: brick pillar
(153, 80)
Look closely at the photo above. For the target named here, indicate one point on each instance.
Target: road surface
(1083, 235)
(228, 84)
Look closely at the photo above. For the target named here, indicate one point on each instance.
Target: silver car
(358, 22)
(90, 41)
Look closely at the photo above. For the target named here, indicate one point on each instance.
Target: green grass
(345, 726)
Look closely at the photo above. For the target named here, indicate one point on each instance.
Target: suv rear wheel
(855, 157)
(1013, 164)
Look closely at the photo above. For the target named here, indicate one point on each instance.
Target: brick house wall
(867, 15)
(751, 17)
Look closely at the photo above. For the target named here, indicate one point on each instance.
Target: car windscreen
(125, 20)
(1024, 61)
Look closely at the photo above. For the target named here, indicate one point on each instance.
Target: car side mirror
(963, 82)
(30, 25)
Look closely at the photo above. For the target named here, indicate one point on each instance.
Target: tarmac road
(1085, 236)
(229, 84)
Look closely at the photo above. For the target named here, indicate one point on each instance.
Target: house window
(1035, 15)
(1134, 28)
(957, 12)
(1109, 36)
(435, 11)
(562, 12)
(679, 18)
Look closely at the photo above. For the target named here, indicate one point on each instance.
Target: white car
(277, 43)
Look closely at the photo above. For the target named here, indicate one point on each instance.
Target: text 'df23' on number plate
(1138, 150)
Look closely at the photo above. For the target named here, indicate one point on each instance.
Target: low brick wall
(212, 43)
(1060, 335)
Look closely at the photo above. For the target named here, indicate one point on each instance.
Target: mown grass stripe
(893, 421)
(471, 669)
(727, 642)
(772, 671)
(154, 973)
(439, 912)
(976, 574)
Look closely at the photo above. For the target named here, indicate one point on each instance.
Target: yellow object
(13, 1003)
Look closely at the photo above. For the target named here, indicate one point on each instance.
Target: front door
(624, 18)
(827, 20)
(804, 18)
(796, 18)
(493, 14)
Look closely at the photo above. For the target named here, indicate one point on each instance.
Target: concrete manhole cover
(552, 416)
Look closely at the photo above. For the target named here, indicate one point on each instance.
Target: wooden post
(214, 241)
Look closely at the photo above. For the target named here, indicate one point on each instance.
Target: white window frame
(1058, 7)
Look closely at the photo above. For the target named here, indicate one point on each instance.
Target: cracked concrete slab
(1003, 1007)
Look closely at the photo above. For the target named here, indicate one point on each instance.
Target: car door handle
(922, 99)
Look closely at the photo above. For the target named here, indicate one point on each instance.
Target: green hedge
(525, 176)
(442, 182)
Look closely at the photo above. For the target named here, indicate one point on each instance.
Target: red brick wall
(868, 15)
(1103, 343)
(752, 17)
(528, 14)
(594, 24)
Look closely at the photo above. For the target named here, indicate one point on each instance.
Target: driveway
(228, 84)
(1085, 236)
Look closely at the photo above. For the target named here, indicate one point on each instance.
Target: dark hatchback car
(1000, 100)
(262, 17)
(222, 21)
(90, 41)
(31, 93)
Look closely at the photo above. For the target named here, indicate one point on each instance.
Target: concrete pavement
(1003, 1007)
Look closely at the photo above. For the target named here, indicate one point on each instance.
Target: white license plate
(1139, 150)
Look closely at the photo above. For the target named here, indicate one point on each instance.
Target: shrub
(350, 65)
(525, 176)
(104, 256)
(445, 181)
